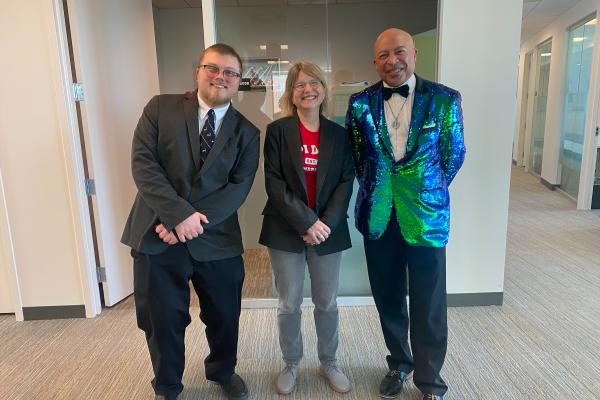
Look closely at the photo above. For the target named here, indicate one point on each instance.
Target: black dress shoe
(235, 388)
(432, 397)
(392, 383)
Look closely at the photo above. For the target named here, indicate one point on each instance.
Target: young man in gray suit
(194, 158)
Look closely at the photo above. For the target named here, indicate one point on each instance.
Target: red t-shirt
(310, 158)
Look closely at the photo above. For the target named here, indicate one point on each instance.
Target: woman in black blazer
(309, 176)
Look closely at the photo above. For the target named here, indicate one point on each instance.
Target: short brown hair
(310, 69)
(222, 49)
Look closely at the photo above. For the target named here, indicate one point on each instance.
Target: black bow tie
(388, 91)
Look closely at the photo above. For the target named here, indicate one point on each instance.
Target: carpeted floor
(544, 342)
(257, 280)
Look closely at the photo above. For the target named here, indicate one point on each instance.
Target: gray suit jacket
(286, 214)
(165, 163)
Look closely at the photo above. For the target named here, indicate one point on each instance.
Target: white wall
(558, 32)
(478, 57)
(36, 172)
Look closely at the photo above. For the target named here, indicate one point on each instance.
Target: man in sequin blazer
(407, 139)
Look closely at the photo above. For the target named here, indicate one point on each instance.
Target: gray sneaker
(286, 380)
(336, 378)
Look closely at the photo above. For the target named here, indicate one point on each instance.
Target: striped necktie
(207, 135)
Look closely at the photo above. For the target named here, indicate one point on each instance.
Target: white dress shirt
(203, 111)
(398, 106)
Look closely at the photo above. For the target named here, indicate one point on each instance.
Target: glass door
(538, 123)
(579, 63)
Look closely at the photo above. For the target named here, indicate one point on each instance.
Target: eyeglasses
(315, 83)
(213, 70)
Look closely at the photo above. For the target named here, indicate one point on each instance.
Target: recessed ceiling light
(263, 46)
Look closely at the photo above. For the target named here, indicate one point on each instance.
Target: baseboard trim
(343, 301)
(259, 303)
(551, 186)
(475, 299)
(53, 312)
(453, 299)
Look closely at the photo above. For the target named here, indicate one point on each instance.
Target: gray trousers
(288, 269)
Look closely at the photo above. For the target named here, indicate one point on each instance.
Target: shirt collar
(219, 111)
(411, 82)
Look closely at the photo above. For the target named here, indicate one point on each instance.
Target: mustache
(395, 67)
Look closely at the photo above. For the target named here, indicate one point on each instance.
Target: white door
(520, 145)
(115, 60)
(6, 304)
(7, 284)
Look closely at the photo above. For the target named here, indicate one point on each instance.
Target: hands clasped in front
(188, 229)
(317, 233)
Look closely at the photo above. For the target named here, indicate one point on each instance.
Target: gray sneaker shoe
(286, 380)
(336, 378)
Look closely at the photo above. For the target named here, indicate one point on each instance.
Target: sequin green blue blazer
(417, 185)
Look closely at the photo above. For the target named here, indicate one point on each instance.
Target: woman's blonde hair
(310, 69)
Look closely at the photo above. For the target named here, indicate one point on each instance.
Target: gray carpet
(544, 342)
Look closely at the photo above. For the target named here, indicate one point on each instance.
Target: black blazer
(286, 214)
(165, 163)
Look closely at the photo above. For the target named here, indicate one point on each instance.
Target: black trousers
(387, 261)
(162, 299)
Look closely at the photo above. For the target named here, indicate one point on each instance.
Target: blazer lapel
(226, 131)
(326, 146)
(294, 144)
(420, 111)
(378, 115)
(190, 109)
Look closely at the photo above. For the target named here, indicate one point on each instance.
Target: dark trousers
(162, 299)
(387, 261)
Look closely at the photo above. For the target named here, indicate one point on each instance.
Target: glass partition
(579, 63)
(178, 33)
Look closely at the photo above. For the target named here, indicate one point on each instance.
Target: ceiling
(537, 14)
